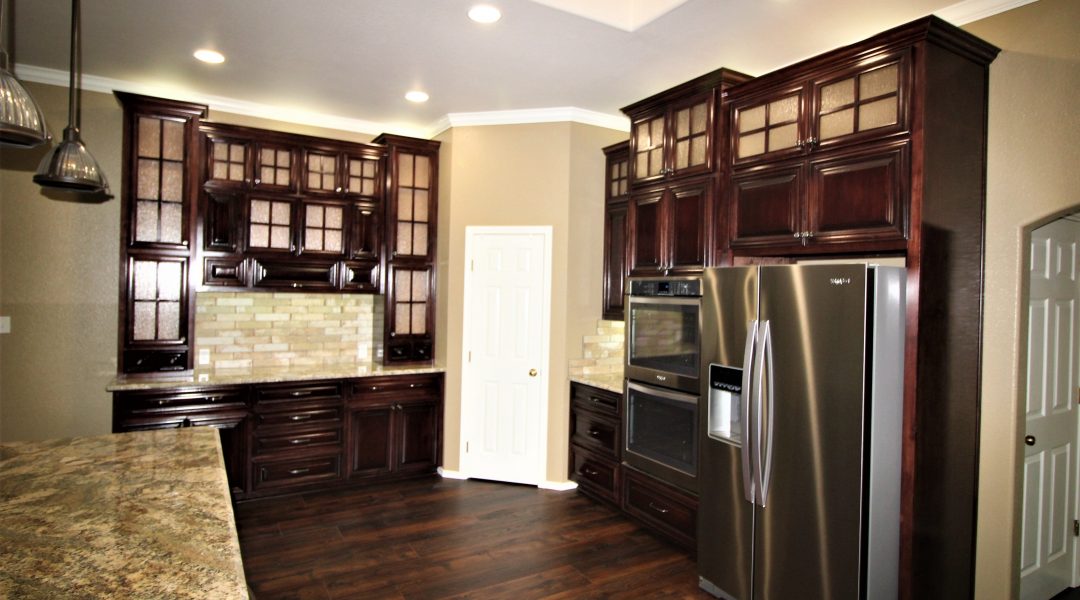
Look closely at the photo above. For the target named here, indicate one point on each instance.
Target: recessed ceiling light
(484, 13)
(416, 96)
(209, 56)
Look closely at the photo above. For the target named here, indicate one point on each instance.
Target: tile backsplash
(270, 329)
(602, 354)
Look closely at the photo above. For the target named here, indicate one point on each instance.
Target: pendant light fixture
(22, 123)
(70, 166)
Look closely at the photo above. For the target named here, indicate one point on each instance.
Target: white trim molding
(540, 115)
(968, 11)
(447, 474)
(558, 486)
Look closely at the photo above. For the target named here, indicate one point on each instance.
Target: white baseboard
(558, 486)
(451, 474)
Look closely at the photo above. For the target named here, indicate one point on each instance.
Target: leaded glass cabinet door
(159, 192)
(769, 127)
(276, 167)
(412, 214)
(691, 137)
(228, 161)
(648, 135)
(410, 317)
(863, 102)
(320, 173)
(323, 228)
(363, 175)
(270, 224)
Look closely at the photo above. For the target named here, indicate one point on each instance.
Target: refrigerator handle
(759, 381)
(770, 416)
(748, 476)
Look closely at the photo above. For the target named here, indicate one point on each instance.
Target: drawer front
(594, 475)
(665, 509)
(292, 442)
(279, 474)
(595, 432)
(267, 397)
(587, 397)
(413, 384)
(298, 414)
(171, 402)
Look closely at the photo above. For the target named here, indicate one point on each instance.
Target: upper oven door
(663, 341)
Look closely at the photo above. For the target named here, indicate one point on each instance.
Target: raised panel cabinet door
(689, 208)
(646, 234)
(766, 207)
(370, 441)
(691, 136)
(863, 102)
(365, 228)
(859, 197)
(221, 221)
(615, 229)
(417, 436)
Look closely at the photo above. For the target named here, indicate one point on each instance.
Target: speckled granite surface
(613, 382)
(263, 375)
(128, 515)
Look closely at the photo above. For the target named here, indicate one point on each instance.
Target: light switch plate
(5, 324)
(204, 356)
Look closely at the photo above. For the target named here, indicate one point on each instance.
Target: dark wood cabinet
(666, 510)
(395, 426)
(596, 442)
(616, 195)
(669, 228)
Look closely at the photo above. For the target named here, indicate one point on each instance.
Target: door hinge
(1076, 528)
(470, 355)
(472, 265)
(466, 447)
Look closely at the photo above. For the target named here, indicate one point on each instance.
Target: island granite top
(128, 515)
(201, 377)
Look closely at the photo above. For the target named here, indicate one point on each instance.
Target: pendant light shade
(69, 166)
(22, 123)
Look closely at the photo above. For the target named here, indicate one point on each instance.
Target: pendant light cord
(3, 37)
(74, 119)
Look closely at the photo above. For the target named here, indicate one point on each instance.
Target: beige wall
(1033, 153)
(544, 174)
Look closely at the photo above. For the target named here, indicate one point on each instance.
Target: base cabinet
(289, 437)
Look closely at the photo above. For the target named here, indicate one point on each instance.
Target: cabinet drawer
(290, 442)
(427, 384)
(667, 510)
(296, 472)
(270, 396)
(594, 475)
(602, 401)
(298, 414)
(163, 403)
(595, 432)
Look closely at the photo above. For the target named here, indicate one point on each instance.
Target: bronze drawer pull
(298, 471)
(299, 417)
(299, 394)
(594, 433)
(300, 441)
(588, 471)
(659, 509)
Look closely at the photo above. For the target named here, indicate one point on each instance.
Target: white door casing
(1047, 542)
(504, 390)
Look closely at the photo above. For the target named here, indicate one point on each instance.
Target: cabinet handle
(185, 423)
(297, 285)
(811, 142)
(414, 385)
(299, 394)
(594, 433)
(659, 509)
(213, 399)
(337, 189)
(300, 441)
(298, 471)
(258, 181)
(299, 417)
(594, 400)
(798, 234)
(588, 471)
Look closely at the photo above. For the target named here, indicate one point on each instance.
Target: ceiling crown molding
(107, 85)
(968, 11)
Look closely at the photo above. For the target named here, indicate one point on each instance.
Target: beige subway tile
(272, 317)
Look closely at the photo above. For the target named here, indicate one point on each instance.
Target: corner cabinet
(616, 194)
(411, 225)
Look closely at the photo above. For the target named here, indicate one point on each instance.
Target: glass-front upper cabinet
(159, 190)
(677, 141)
(228, 161)
(768, 127)
(275, 167)
(412, 211)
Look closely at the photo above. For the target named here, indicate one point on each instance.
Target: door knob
(532, 372)
(1029, 440)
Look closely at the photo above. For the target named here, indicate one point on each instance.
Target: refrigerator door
(807, 536)
(725, 517)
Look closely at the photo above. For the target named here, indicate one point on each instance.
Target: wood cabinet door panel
(364, 228)
(646, 234)
(370, 441)
(770, 126)
(766, 207)
(689, 208)
(668, 510)
(690, 138)
(417, 436)
(859, 197)
(296, 472)
(615, 227)
(857, 103)
(291, 274)
(595, 432)
(595, 475)
(648, 136)
(276, 167)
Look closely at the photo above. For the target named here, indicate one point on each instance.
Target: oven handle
(747, 389)
(678, 300)
(670, 395)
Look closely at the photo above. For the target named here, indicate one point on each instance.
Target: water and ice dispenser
(725, 404)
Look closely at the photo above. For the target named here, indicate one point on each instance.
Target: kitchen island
(130, 515)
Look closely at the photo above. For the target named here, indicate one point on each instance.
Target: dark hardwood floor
(442, 538)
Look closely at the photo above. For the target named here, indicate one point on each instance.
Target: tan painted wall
(1033, 153)
(544, 174)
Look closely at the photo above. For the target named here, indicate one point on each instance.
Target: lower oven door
(662, 434)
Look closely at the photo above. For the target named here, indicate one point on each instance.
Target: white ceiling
(348, 63)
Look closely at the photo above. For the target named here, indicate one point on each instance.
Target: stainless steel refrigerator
(800, 466)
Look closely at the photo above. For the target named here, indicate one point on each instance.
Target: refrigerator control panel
(725, 404)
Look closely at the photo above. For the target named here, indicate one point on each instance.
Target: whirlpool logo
(840, 281)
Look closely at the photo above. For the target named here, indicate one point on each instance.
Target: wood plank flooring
(442, 538)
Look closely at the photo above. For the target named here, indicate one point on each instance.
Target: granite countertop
(129, 515)
(612, 382)
(261, 375)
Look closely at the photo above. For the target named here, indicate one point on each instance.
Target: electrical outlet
(5, 324)
(204, 356)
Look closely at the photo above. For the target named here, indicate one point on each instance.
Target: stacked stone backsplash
(240, 330)
(602, 353)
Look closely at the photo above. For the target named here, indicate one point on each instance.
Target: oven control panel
(665, 287)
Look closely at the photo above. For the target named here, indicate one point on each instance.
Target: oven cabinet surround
(285, 437)
(677, 159)
(878, 148)
(597, 426)
(616, 195)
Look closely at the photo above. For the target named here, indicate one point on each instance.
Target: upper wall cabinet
(616, 194)
(673, 133)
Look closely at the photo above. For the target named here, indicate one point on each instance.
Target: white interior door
(1048, 544)
(504, 378)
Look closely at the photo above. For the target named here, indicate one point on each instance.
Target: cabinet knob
(1029, 440)
(338, 190)
(660, 509)
(532, 372)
